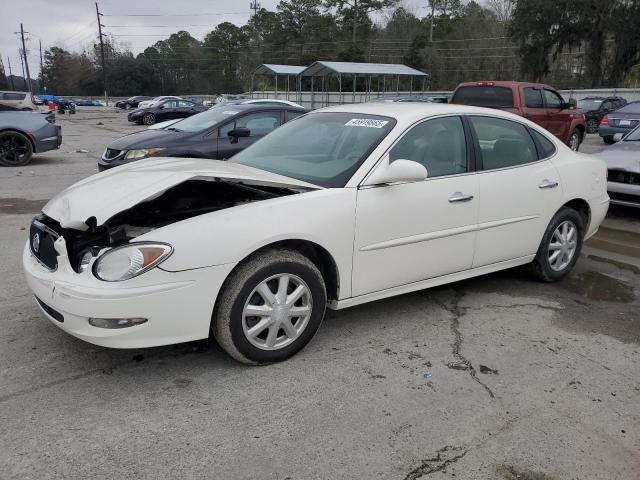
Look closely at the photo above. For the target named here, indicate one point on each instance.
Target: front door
(408, 232)
(558, 119)
(519, 189)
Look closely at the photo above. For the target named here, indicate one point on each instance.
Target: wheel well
(582, 207)
(318, 255)
(33, 145)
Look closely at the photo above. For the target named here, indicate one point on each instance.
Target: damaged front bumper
(177, 306)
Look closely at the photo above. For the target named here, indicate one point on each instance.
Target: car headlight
(142, 153)
(128, 261)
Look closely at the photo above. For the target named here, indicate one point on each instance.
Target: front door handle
(460, 197)
(548, 184)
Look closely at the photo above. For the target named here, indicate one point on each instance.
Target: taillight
(33, 99)
(605, 120)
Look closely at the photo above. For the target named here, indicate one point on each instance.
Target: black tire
(541, 265)
(592, 125)
(148, 119)
(126, 106)
(227, 321)
(16, 149)
(575, 139)
(608, 140)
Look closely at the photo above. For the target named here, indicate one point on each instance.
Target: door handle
(548, 184)
(460, 197)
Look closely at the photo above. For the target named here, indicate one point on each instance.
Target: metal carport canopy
(322, 68)
(273, 69)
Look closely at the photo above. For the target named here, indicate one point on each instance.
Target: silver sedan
(623, 165)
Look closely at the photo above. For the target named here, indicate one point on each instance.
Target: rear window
(13, 96)
(484, 96)
(633, 107)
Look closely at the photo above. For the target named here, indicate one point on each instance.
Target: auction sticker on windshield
(229, 112)
(366, 122)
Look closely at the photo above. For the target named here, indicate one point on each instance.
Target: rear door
(519, 189)
(533, 106)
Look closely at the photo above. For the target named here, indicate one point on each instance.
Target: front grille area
(620, 176)
(41, 240)
(111, 153)
(53, 313)
(625, 197)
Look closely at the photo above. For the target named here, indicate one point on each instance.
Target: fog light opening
(116, 322)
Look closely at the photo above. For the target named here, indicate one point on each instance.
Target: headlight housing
(142, 153)
(131, 260)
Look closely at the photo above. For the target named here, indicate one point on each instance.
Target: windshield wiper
(173, 129)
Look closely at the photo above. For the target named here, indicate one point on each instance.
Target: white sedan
(339, 207)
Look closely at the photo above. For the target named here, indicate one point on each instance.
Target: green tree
(356, 12)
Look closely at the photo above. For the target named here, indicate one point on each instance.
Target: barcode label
(366, 122)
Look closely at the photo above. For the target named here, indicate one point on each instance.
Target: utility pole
(24, 78)
(255, 6)
(104, 70)
(433, 12)
(41, 75)
(10, 73)
(24, 52)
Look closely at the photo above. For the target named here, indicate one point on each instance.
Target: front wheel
(560, 246)
(149, 119)
(270, 307)
(574, 140)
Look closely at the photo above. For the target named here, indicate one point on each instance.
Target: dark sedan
(622, 121)
(594, 108)
(24, 133)
(131, 102)
(165, 110)
(218, 133)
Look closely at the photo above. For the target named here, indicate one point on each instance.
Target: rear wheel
(575, 139)
(149, 119)
(608, 140)
(270, 307)
(15, 149)
(592, 125)
(560, 246)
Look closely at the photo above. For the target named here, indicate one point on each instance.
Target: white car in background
(23, 101)
(340, 207)
(153, 101)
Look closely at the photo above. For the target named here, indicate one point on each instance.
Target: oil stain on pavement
(14, 206)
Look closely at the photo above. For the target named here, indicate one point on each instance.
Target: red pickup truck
(535, 101)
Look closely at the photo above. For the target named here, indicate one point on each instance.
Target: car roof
(244, 107)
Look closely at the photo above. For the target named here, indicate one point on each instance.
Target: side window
(438, 144)
(13, 96)
(552, 99)
(291, 115)
(170, 104)
(183, 104)
(503, 143)
(259, 123)
(533, 98)
(547, 147)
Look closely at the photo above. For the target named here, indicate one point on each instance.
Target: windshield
(634, 135)
(323, 148)
(589, 104)
(205, 120)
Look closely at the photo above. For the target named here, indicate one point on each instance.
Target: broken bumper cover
(177, 306)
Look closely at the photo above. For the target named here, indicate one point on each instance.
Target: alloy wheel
(149, 119)
(574, 141)
(277, 312)
(563, 245)
(14, 149)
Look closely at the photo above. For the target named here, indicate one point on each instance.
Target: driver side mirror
(236, 133)
(160, 107)
(401, 170)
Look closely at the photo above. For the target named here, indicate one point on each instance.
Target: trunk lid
(105, 194)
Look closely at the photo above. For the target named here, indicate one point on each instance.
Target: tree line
(568, 43)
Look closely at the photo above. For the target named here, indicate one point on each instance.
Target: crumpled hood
(105, 194)
(622, 156)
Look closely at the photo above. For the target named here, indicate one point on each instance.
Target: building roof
(273, 69)
(322, 68)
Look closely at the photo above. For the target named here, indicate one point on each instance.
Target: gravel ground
(499, 377)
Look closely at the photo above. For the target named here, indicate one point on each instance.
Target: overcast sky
(72, 23)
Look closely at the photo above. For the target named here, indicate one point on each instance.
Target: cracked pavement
(498, 377)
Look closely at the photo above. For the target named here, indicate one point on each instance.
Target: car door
(185, 109)
(407, 232)
(533, 108)
(519, 189)
(258, 123)
(558, 119)
(167, 110)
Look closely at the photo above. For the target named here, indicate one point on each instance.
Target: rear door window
(533, 98)
(484, 96)
(14, 96)
(503, 143)
(545, 147)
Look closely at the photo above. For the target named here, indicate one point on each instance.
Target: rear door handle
(548, 184)
(460, 197)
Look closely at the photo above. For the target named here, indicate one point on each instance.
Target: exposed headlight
(130, 260)
(142, 153)
(85, 261)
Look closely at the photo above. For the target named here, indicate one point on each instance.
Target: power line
(217, 14)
